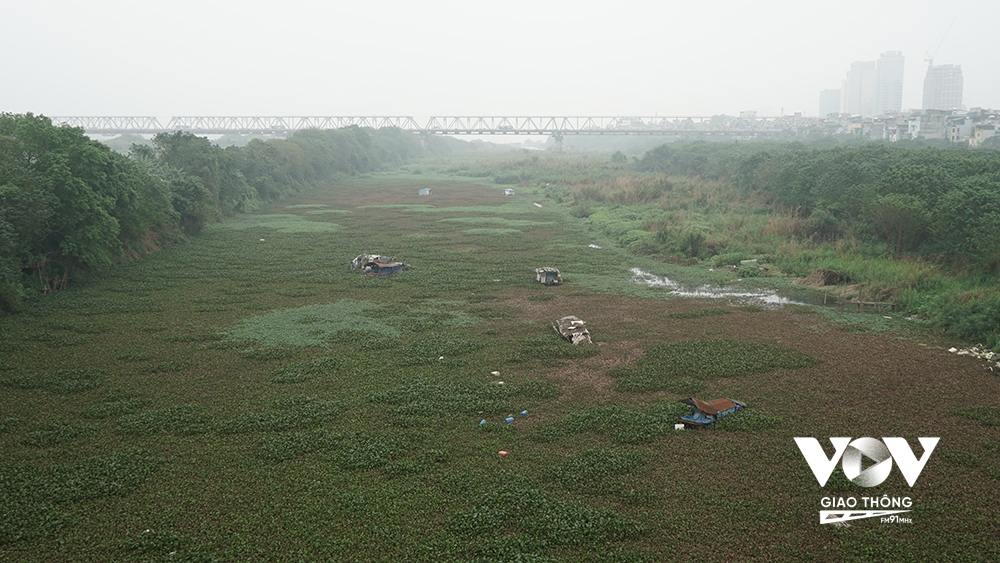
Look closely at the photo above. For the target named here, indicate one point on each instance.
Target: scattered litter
(496, 280)
(499, 382)
(538, 204)
(509, 419)
(573, 329)
(678, 427)
(261, 240)
(482, 422)
(440, 358)
(705, 413)
(524, 413)
(885, 317)
(981, 352)
(494, 373)
(502, 453)
(593, 246)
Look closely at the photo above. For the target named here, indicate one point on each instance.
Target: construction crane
(930, 56)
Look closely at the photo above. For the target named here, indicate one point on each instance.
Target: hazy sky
(429, 57)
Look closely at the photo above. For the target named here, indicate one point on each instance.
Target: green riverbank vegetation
(244, 396)
(915, 226)
(69, 204)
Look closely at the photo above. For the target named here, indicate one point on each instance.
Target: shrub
(597, 470)
(182, 420)
(291, 413)
(60, 382)
(622, 425)
(976, 319)
(665, 365)
(987, 416)
(744, 420)
(57, 433)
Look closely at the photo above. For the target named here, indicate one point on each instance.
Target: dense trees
(928, 205)
(69, 204)
(941, 204)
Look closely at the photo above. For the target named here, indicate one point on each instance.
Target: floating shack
(548, 276)
(362, 260)
(573, 329)
(704, 413)
(377, 265)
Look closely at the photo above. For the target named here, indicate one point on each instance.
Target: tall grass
(709, 217)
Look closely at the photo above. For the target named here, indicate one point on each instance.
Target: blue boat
(383, 269)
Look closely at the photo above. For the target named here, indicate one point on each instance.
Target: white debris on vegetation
(981, 352)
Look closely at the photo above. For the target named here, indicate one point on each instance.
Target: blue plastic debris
(482, 422)
(524, 413)
(704, 413)
(509, 419)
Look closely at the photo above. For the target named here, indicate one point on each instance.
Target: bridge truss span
(276, 124)
(745, 125)
(111, 124)
(562, 125)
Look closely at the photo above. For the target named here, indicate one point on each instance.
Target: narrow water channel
(732, 295)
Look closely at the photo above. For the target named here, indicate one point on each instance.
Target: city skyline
(308, 57)
(872, 88)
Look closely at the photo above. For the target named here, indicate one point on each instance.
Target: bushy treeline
(922, 206)
(914, 224)
(940, 204)
(69, 204)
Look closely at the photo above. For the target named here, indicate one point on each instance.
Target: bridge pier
(558, 139)
(423, 141)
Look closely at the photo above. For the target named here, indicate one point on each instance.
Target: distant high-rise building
(889, 82)
(829, 102)
(943, 87)
(873, 87)
(858, 97)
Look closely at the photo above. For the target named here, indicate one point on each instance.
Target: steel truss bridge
(719, 125)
